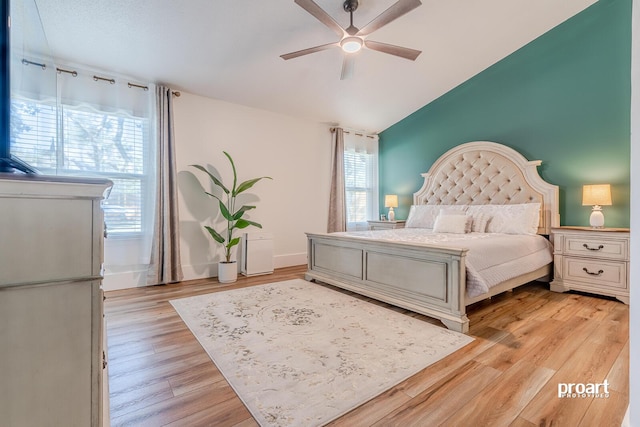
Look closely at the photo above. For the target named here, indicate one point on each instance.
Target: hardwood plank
(517, 344)
(222, 403)
(521, 422)
(502, 400)
(123, 402)
(556, 348)
(435, 405)
(486, 338)
(608, 411)
(618, 375)
(372, 411)
(195, 377)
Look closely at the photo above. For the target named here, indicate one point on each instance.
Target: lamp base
(392, 215)
(597, 217)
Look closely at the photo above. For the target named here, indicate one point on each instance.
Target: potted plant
(227, 269)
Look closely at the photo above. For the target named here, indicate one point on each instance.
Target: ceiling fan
(353, 39)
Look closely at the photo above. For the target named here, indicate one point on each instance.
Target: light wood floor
(527, 342)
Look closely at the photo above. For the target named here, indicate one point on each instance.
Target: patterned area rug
(301, 354)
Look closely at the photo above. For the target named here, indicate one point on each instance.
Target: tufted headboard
(483, 172)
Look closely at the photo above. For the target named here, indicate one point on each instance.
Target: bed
(487, 183)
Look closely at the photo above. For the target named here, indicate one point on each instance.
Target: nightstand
(591, 260)
(386, 225)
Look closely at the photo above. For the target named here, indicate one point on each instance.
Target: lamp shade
(391, 201)
(599, 194)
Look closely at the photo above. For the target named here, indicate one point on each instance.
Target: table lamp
(597, 196)
(391, 201)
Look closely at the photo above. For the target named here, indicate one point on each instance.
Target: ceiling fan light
(351, 44)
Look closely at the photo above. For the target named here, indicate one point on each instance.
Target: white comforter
(492, 257)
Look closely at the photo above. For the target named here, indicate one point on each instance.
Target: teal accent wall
(564, 99)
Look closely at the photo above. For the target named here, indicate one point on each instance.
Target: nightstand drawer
(603, 273)
(596, 247)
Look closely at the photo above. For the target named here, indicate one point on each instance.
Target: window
(361, 179)
(88, 142)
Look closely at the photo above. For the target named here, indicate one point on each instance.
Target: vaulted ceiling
(230, 49)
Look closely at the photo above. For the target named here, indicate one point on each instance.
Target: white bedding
(492, 257)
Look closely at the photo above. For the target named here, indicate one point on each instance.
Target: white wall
(294, 152)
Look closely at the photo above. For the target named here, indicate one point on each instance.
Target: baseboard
(124, 280)
(114, 281)
(205, 271)
(199, 271)
(626, 421)
(290, 260)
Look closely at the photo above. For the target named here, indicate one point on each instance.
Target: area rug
(301, 354)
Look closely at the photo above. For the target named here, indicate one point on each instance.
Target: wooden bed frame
(430, 279)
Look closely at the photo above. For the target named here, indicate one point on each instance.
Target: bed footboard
(426, 279)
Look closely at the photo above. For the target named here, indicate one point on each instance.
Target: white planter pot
(227, 272)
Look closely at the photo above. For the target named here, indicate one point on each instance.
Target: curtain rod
(74, 73)
(27, 62)
(355, 132)
(139, 86)
(104, 79)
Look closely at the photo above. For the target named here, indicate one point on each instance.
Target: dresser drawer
(595, 272)
(610, 248)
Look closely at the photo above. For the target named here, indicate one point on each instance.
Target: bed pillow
(451, 223)
(521, 218)
(422, 216)
(458, 210)
(479, 222)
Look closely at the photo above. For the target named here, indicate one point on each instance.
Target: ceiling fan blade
(403, 52)
(394, 12)
(322, 16)
(308, 51)
(347, 66)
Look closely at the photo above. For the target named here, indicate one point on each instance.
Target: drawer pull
(599, 248)
(591, 273)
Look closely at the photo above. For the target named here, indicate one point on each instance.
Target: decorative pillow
(458, 210)
(451, 224)
(479, 222)
(510, 219)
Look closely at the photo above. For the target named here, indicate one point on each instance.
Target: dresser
(591, 260)
(385, 225)
(52, 353)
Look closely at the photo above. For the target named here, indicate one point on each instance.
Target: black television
(8, 162)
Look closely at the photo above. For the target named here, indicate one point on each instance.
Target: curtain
(95, 124)
(165, 266)
(337, 206)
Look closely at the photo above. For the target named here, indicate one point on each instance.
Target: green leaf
(235, 177)
(243, 223)
(248, 184)
(215, 180)
(233, 242)
(217, 237)
(225, 212)
(241, 212)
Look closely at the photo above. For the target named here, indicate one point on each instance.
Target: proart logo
(581, 390)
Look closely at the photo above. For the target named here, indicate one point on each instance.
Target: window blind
(111, 144)
(361, 180)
